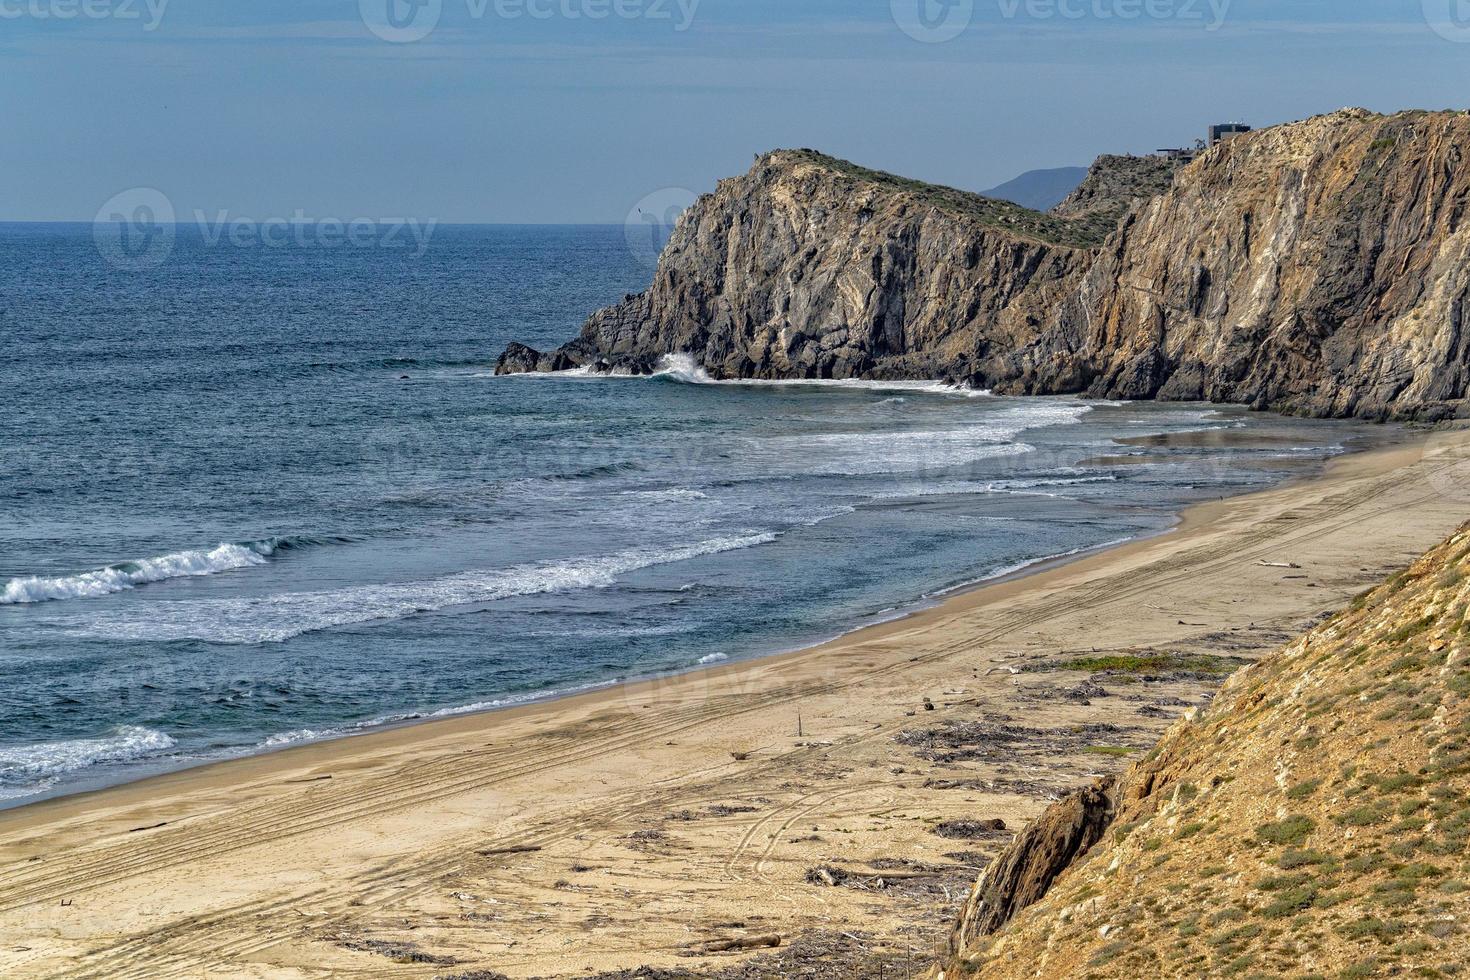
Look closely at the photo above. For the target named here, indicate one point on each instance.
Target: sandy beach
(835, 800)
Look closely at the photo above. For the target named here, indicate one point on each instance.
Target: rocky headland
(1317, 268)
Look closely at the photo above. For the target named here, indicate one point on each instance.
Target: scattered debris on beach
(395, 950)
(971, 829)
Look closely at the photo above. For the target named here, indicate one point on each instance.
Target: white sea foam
(916, 450)
(683, 368)
(1039, 487)
(275, 618)
(128, 575)
(671, 494)
(26, 770)
(713, 658)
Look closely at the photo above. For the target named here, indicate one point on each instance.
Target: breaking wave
(126, 575)
(30, 769)
(276, 618)
(131, 574)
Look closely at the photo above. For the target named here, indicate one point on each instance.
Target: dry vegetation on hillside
(1313, 822)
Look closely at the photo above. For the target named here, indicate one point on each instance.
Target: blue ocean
(253, 497)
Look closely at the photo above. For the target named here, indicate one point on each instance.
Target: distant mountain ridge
(1319, 268)
(1040, 190)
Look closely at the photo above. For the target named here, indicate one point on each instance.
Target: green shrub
(1292, 830)
(1303, 790)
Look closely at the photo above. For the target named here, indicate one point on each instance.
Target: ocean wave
(30, 769)
(276, 618)
(131, 574)
(713, 658)
(226, 557)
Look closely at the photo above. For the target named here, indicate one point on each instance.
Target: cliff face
(1314, 820)
(1318, 268)
(810, 267)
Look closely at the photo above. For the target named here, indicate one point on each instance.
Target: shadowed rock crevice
(1024, 873)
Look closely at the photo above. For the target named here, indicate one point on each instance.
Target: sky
(566, 111)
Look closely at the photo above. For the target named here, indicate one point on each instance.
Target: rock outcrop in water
(1314, 820)
(1320, 268)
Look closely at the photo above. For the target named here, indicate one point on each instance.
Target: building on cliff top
(1226, 131)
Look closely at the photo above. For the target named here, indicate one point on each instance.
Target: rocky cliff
(811, 267)
(1313, 821)
(1318, 268)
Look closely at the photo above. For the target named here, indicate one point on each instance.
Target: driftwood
(735, 945)
(519, 849)
(139, 830)
(1278, 564)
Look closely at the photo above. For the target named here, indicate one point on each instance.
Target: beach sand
(633, 825)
